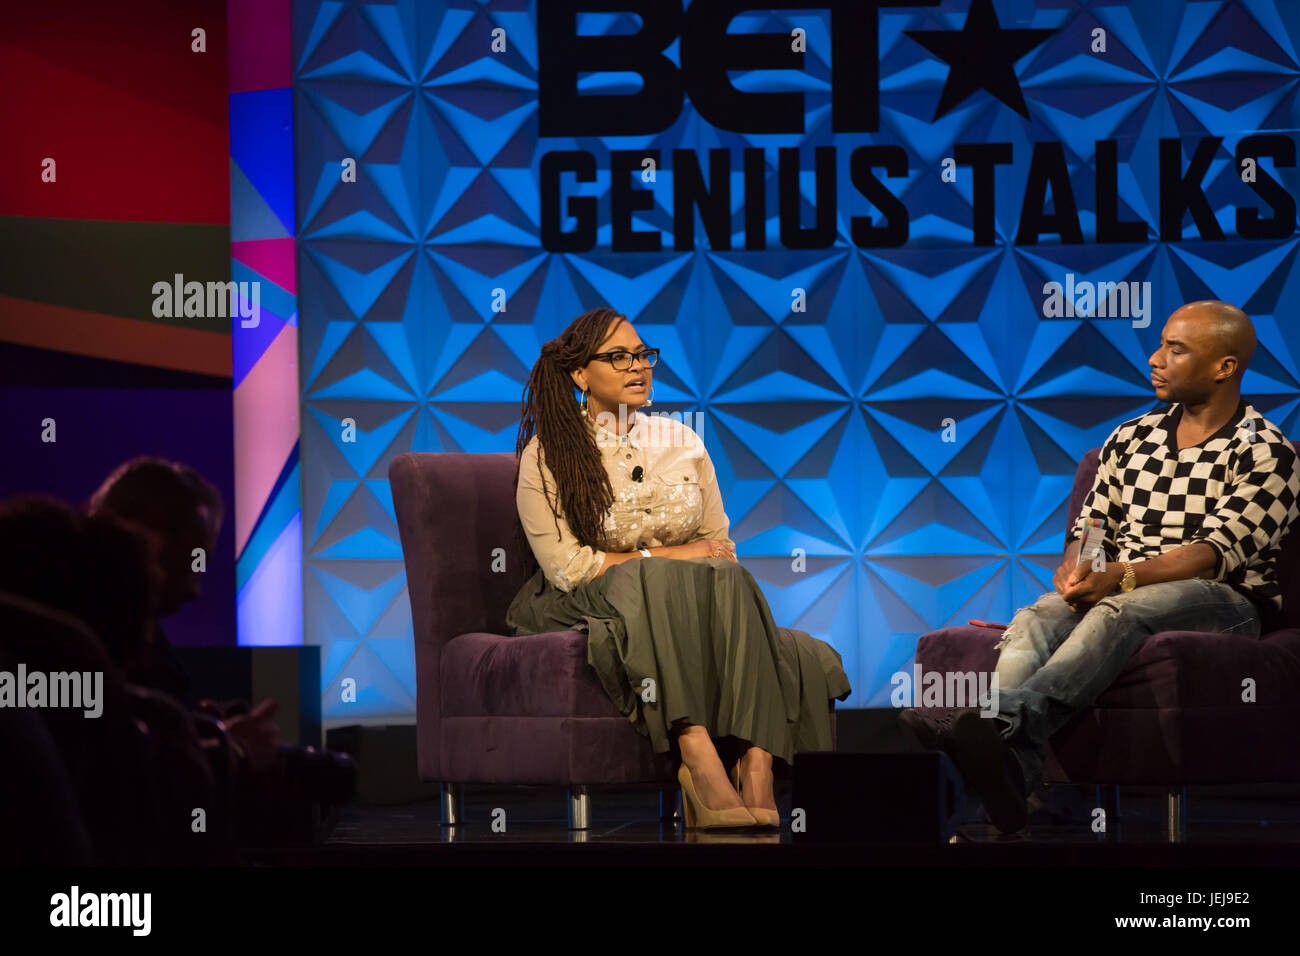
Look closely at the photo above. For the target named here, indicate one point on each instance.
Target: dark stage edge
(625, 830)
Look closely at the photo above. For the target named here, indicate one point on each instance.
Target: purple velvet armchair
(1175, 716)
(492, 708)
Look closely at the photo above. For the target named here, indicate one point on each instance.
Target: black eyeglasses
(621, 360)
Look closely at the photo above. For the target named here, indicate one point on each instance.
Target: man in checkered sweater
(1194, 499)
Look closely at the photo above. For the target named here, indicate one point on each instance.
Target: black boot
(933, 733)
(990, 768)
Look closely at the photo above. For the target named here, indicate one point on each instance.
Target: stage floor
(1237, 828)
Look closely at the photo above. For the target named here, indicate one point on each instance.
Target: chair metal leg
(453, 804)
(579, 807)
(1176, 801)
(670, 805)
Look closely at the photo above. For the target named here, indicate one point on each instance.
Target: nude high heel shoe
(698, 816)
(762, 817)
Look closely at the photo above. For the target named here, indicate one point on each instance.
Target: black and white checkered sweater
(1237, 491)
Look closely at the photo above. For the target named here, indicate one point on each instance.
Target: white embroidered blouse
(675, 501)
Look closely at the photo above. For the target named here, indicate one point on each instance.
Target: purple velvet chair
(493, 708)
(1174, 717)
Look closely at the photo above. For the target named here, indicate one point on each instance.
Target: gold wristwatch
(1130, 579)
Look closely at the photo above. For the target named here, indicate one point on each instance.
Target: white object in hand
(1094, 542)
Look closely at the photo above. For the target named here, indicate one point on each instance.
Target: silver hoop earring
(584, 401)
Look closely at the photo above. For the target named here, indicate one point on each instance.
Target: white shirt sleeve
(566, 562)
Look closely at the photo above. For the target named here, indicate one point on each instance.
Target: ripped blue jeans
(1055, 661)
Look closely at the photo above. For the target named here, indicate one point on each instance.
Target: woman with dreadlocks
(622, 513)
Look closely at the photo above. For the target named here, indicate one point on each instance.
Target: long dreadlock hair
(551, 411)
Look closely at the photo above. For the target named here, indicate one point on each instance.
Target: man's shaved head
(1205, 347)
(1228, 329)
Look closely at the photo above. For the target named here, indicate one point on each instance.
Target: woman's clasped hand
(707, 548)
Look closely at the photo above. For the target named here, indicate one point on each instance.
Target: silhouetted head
(97, 567)
(176, 504)
(1204, 348)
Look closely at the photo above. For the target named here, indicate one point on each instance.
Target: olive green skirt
(693, 642)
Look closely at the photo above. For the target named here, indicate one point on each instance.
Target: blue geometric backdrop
(826, 422)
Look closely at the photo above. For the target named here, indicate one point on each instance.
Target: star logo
(981, 56)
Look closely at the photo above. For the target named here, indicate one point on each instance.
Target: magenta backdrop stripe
(273, 258)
